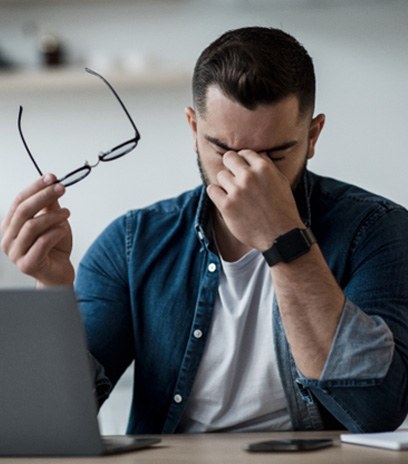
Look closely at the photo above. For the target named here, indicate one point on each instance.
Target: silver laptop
(47, 404)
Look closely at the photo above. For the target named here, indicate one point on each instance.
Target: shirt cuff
(362, 348)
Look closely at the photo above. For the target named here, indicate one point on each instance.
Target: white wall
(360, 53)
(359, 49)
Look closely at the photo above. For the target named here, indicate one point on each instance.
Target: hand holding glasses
(110, 155)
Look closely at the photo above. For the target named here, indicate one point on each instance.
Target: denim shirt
(148, 284)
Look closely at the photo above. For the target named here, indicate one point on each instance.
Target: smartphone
(290, 444)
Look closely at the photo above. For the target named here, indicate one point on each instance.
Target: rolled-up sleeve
(359, 339)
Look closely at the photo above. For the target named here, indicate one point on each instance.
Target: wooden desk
(227, 449)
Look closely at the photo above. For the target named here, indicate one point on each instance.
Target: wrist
(64, 278)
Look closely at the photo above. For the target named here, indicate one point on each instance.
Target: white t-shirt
(238, 387)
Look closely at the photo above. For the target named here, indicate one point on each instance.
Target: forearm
(311, 303)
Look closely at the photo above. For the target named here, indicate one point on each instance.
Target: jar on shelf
(51, 50)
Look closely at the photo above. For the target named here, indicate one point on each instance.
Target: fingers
(32, 231)
(36, 258)
(239, 167)
(217, 195)
(244, 160)
(33, 189)
(24, 215)
(234, 161)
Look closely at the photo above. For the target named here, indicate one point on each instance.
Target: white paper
(390, 440)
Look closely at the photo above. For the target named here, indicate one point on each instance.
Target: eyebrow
(224, 146)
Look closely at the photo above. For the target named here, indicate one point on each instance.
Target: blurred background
(147, 50)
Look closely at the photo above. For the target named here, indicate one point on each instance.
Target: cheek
(293, 167)
(287, 169)
(209, 157)
(213, 165)
(211, 162)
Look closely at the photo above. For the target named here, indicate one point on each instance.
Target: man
(269, 298)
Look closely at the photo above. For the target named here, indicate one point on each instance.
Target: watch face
(292, 245)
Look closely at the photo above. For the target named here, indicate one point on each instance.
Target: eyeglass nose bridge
(78, 174)
(91, 166)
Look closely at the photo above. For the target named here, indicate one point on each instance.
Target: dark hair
(253, 66)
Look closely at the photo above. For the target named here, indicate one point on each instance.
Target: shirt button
(212, 267)
(178, 398)
(198, 333)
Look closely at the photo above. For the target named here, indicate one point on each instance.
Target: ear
(315, 129)
(192, 122)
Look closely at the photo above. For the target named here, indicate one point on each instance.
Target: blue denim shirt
(150, 281)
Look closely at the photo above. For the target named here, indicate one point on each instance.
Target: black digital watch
(289, 246)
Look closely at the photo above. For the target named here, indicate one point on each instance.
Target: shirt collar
(202, 218)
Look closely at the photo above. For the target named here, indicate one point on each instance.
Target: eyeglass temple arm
(91, 71)
(25, 143)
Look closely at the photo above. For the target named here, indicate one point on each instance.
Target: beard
(204, 177)
(300, 175)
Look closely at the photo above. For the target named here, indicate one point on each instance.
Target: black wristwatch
(289, 246)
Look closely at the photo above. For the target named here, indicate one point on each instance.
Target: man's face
(277, 130)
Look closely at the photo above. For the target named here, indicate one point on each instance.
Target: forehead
(231, 122)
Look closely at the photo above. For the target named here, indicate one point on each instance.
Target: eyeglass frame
(102, 156)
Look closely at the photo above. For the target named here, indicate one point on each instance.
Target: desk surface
(228, 449)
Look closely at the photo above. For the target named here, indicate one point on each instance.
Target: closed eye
(279, 154)
(276, 159)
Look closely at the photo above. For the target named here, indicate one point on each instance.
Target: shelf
(76, 79)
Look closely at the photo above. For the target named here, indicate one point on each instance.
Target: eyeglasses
(116, 152)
